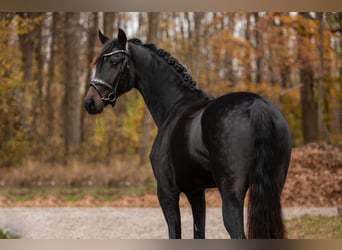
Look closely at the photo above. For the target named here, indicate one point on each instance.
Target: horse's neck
(160, 97)
(160, 85)
(166, 97)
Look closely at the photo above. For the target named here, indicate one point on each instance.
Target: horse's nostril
(89, 104)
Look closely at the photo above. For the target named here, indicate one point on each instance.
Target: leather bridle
(97, 82)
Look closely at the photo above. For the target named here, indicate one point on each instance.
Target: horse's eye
(116, 61)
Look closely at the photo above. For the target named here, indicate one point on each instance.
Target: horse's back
(238, 107)
(229, 129)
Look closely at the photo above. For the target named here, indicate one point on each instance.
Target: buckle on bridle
(111, 96)
(110, 99)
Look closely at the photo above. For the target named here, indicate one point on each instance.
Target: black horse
(236, 142)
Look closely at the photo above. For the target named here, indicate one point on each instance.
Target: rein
(97, 82)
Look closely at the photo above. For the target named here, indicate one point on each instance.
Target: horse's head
(112, 74)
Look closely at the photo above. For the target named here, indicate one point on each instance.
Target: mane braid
(170, 60)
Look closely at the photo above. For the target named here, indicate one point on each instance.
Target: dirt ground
(122, 222)
(314, 180)
(313, 186)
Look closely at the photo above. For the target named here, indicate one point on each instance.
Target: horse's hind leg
(197, 201)
(231, 175)
(232, 210)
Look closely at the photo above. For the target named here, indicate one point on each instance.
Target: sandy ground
(115, 223)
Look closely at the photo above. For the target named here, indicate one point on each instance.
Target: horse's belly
(191, 158)
(193, 176)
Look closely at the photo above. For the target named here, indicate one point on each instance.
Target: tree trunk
(322, 128)
(229, 54)
(258, 48)
(27, 46)
(51, 74)
(285, 73)
(308, 105)
(285, 68)
(30, 46)
(71, 108)
(37, 102)
(108, 24)
(340, 76)
(152, 37)
(91, 37)
(307, 93)
(248, 35)
(196, 45)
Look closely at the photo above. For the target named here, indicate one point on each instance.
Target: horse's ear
(122, 39)
(102, 37)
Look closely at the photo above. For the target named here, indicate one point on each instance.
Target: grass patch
(314, 227)
(74, 193)
(7, 235)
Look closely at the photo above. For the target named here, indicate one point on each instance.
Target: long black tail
(264, 210)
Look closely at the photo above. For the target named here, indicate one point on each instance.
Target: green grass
(77, 193)
(314, 227)
(7, 235)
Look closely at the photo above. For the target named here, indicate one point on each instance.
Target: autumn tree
(306, 74)
(28, 31)
(72, 98)
(292, 58)
(51, 73)
(322, 128)
(109, 23)
(91, 34)
(13, 125)
(152, 37)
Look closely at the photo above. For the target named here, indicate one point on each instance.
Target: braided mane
(160, 52)
(170, 60)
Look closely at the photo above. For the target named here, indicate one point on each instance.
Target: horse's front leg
(169, 202)
(197, 202)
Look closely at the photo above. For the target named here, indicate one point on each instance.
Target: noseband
(97, 82)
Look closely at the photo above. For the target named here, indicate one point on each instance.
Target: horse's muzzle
(92, 107)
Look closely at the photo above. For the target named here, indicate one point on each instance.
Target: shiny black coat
(236, 142)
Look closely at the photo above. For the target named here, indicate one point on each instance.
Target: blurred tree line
(295, 59)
